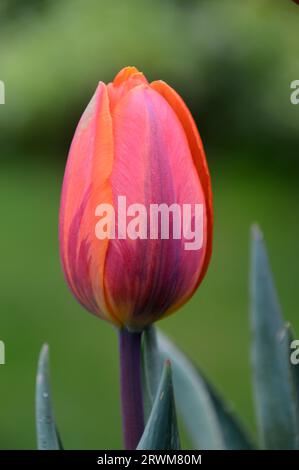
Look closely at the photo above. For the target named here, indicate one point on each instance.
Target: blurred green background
(232, 62)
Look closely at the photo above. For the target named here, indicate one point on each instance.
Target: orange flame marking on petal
(199, 158)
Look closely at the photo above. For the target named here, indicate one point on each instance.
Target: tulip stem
(130, 386)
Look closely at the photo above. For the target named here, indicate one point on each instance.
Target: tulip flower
(136, 140)
(136, 143)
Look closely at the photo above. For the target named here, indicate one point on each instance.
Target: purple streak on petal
(149, 276)
(79, 260)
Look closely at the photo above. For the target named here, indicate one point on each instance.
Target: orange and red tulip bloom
(135, 139)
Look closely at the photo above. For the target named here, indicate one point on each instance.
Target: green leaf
(152, 368)
(161, 432)
(276, 407)
(47, 435)
(211, 424)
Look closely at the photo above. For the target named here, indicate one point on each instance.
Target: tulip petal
(198, 154)
(128, 73)
(144, 278)
(125, 80)
(87, 184)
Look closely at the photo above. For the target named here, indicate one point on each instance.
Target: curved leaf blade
(152, 367)
(211, 424)
(161, 432)
(47, 435)
(273, 381)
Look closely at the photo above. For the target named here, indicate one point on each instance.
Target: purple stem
(130, 387)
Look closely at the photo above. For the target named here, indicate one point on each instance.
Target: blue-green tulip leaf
(47, 435)
(209, 421)
(276, 406)
(161, 431)
(152, 368)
